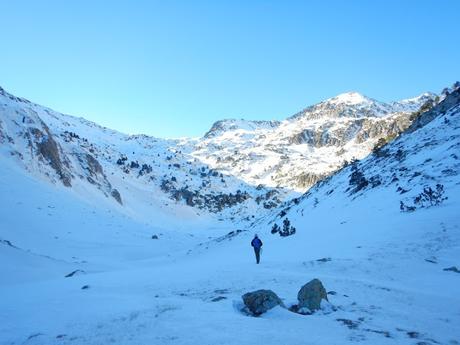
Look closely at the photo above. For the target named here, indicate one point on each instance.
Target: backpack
(256, 242)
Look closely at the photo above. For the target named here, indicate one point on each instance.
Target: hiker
(257, 244)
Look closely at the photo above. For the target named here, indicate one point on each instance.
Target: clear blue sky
(172, 68)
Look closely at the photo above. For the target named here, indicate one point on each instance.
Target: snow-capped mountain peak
(227, 125)
(414, 103)
(353, 105)
(350, 98)
(237, 167)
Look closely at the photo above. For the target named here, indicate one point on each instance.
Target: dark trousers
(257, 252)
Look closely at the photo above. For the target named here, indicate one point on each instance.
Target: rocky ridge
(238, 167)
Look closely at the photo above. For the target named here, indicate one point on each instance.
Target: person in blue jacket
(256, 243)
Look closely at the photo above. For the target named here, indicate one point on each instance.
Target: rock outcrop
(51, 152)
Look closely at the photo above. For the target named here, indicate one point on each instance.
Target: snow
(257, 154)
(351, 98)
(385, 267)
(152, 291)
(413, 104)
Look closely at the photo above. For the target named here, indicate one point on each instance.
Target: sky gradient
(172, 68)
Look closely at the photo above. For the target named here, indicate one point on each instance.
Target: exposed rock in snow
(223, 126)
(385, 266)
(316, 142)
(74, 273)
(49, 150)
(260, 301)
(311, 295)
(238, 167)
(452, 269)
(421, 165)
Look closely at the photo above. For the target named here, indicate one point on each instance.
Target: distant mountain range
(237, 169)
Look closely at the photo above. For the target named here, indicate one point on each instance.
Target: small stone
(76, 272)
(452, 269)
(218, 298)
(324, 260)
(413, 334)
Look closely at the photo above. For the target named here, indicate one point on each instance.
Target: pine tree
(286, 227)
(275, 228)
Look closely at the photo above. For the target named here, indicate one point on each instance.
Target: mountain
(384, 233)
(425, 155)
(82, 266)
(236, 168)
(138, 174)
(305, 148)
(222, 126)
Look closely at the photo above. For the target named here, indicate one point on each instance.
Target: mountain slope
(140, 173)
(424, 155)
(298, 152)
(237, 170)
(383, 268)
(385, 232)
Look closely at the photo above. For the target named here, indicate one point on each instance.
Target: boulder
(311, 294)
(260, 301)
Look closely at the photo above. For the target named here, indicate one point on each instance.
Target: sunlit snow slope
(384, 268)
(238, 171)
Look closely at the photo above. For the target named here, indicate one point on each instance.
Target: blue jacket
(256, 243)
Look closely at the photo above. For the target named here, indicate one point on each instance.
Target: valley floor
(386, 281)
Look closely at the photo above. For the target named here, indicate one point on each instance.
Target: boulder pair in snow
(257, 244)
(310, 297)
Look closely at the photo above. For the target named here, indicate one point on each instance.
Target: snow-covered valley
(158, 263)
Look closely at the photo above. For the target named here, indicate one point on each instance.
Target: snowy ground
(82, 270)
(387, 278)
